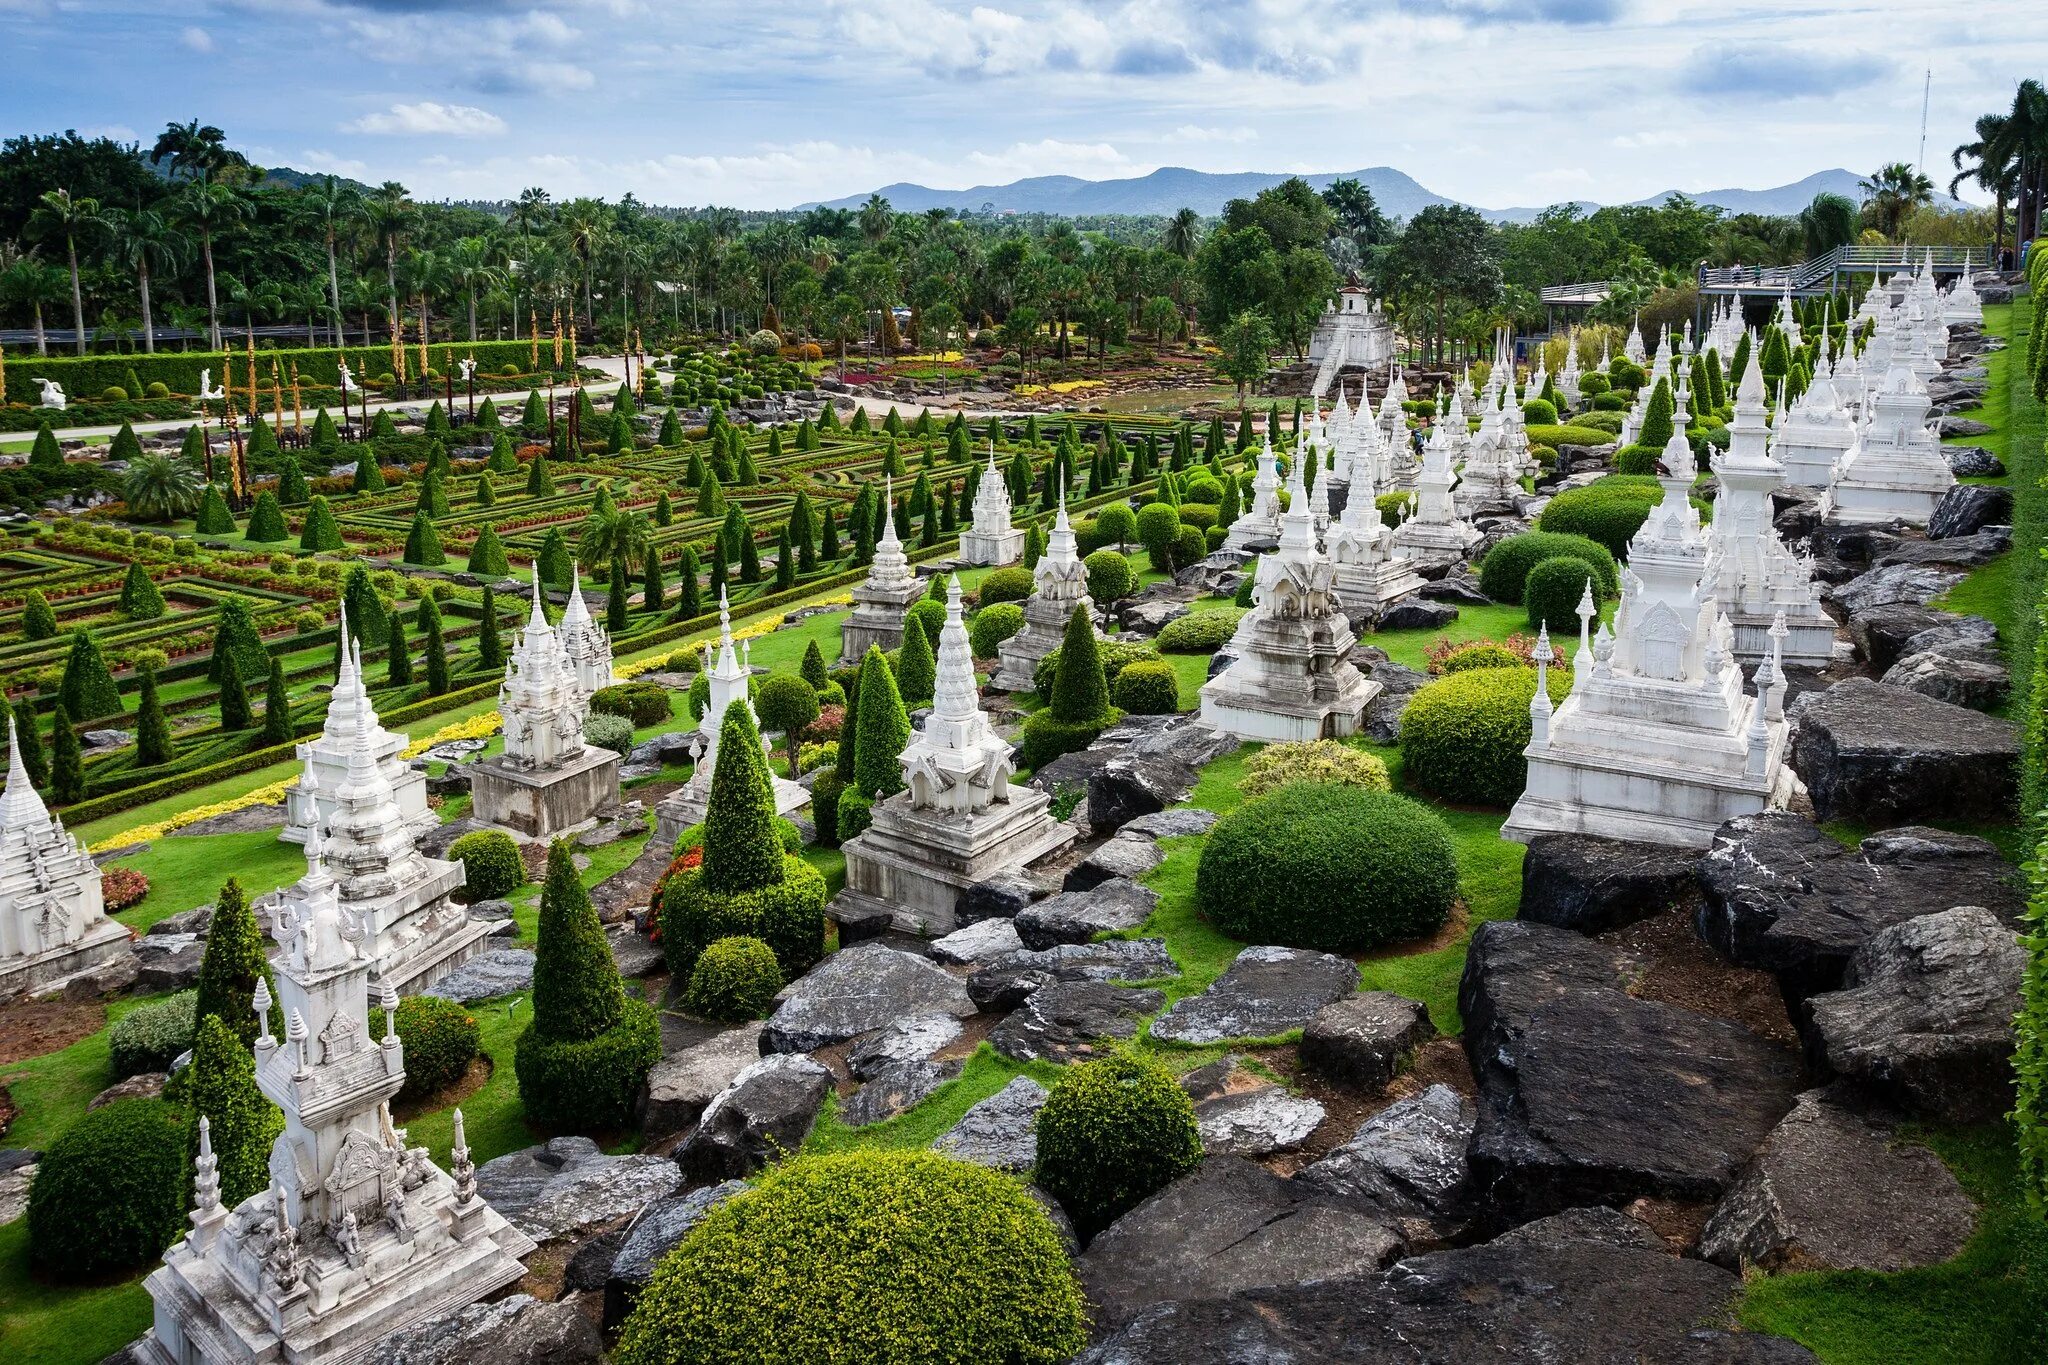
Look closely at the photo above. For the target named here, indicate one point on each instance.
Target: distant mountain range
(1172, 188)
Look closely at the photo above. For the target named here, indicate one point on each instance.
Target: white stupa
(360, 1234)
(325, 757)
(1962, 306)
(53, 921)
(881, 600)
(1897, 470)
(1434, 534)
(1059, 584)
(1369, 574)
(1258, 525)
(991, 539)
(584, 642)
(1813, 432)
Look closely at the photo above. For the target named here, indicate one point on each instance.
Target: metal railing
(1803, 275)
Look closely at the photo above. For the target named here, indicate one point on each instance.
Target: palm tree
(472, 271)
(145, 242)
(159, 488)
(390, 214)
(530, 211)
(332, 208)
(1892, 192)
(57, 214)
(623, 535)
(2022, 142)
(1183, 231)
(30, 283)
(262, 296)
(1994, 171)
(196, 151)
(876, 218)
(426, 275)
(582, 223)
(211, 208)
(1826, 223)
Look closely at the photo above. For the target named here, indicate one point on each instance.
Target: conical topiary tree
(490, 646)
(45, 453)
(87, 689)
(29, 740)
(423, 543)
(398, 655)
(324, 437)
(433, 497)
(540, 480)
(369, 475)
(556, 566)
(367, 619)
(242, 1125)
(1078, 709)
(916, 669)
(140, 599)
(213, 518)
(504, 460)
(67, 760)
(653, 590)
(742, 851)
(234, 702)
(153, 745)
(486, 492)
(487, 556)
(277, 707)
(266, 520)
(434, 646)
(124, 446)
(1657, 426)
(689, 595)
(292, 487)
(321, 531)
(617, 589)
(576, 988)
(233, 963)
(237, 648)
(38, 622)
(884, 729)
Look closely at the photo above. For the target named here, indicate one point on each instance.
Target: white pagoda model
(359, 1234)
(1962, 306)
(584, 643)
(308, 804)
(881, 600)
(1258, 525)
(412, 931)
(1751, 574)
(1293, 677)
(1813, 433)
(727, 674)
(1059, 584)
(991, 539)
(53, 922)
(547, 780)
(958, 820)
(1897, 470)
(1657, 742)
(1434, 534)
(1361, 546)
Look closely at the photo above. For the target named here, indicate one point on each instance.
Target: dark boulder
(1067, 1020)
(1149, 763)
(1974, 462)
(1911, 584)
(1592, 885)
(1407, 1162)
(763, 1116)
(1417, 613)
(1398, 686)
(1881, 633)
(1967, 550)
(1000, 897)
(1266, 992)
(520, 1330)
(894, 1090)
(1971, 676)
(653, 1235)
(1361, 1041)
(1128, 856)
(1883, 755)
(857, 990)
(1078, 916)
(1970, 507)
(1010, 979)
(999, 1131)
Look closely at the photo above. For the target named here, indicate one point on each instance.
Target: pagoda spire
(20, 806)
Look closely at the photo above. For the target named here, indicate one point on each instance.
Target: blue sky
(765, 105)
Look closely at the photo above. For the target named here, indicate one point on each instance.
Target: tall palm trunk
(391, 279)
(77, 296)
(148, 327)
(42, 341)
(212, 299)
(334, 289)
(472, 313)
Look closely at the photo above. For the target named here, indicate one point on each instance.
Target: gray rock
(1925, 1016)
(108, 739)
(1785, 897)
(1266, 992)
(908, 1040)
(1883, 755)
(1000, 897)
(633, 954)
(1362, 1040)
(1952, 634)
(1398, 684)
(567, 1184)
(491, 910)
(857, 990)
(1881, 633)
(1973, 462)
(1078, 916)
(197, 920)
(1127, 856)
(1171, 824)
(167, 962)
(586, 1269)
(1589, 1095)
(675, 747)
(763, 1116)
(17, 1174)
(1962, 426)
(1256, 1122)
(1961, 550)
(147, 1085)
(1065, 1020)
(110, 978)
(1457, 587)
(1593, 1223)
(520, 1330)
(501, 971)
(999, 1130)
(680, 1086)
(654, 1234)
(896, 1089)
(1006, 982)
(1973, 677)
(1970, 507)
(1830, 1190)
(1592, 885)
(1909, 584)
(1407, 1161)
(1417, 613)
(1152, 762)
(1225, 1227)
(978, 942)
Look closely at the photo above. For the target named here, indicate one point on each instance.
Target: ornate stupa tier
(991, 539)
(1434, 533)
(1059, 584)
(1361, 547)
(727, 672)
(584, 642)
(881, 600)
(1897, 470)
(1258, 525)
(53, 921)
(325, 757)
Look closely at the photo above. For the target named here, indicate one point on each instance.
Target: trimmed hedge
(441, 1039)
(1568, 434)
(991, 626)
(735, 979)
(1113, 1132)
(150, 1037)
(1312, 760)
(1553, 593)
(879, 1258)
(608, 732)
(318, 365)
(1608, 512)
(109, 1195)
(1504, 572)
(1005, 585)
(1147, 687)
(574, 1084)
(1340, 869)
(1201, 632)
(491, 865)
(643, 703)
(1462, 736)
(1115, 654)
(788, 916)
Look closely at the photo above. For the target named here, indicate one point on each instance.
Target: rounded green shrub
(880, 1257)
(1005, 585)
(735, 979)
(1335, 868)
(150, 1037)
(441, 1039)
(1462, 736)
(1147, 687)
(991, 626)
(1201, 632)
(1539, 412)
(1553, 593)
(609, 732)
(1198, 515)
(1608, 512)
(788, 916)
(931, 616)
(109, 1195)
(1312, 760)
(1480, 654)
(643, 703)
(1113, 1132)
(1505, 570)
(568, 1083)
(1637, 460)
(1576, 432)
(1115, 655)
(491, 866)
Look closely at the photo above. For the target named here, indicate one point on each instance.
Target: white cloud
(430, 117)
(196, 38)
(119, 132)
(327, 163)
(1050, 156)
(1190, 134)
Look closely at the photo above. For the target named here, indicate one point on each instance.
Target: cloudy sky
(762, 105)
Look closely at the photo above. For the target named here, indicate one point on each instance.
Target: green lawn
(1998, 321)
(187, 870)
(58, 1324)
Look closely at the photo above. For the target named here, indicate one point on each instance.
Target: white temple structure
(359, 1235)
(1897, 470)
(1353, 332)
(881, 600)
(1751, 574)
(1258, 524)
(1566, 380)
(1361, 546)
(547, 779)
(991, 539)
(1813, 431)
(326, 756)
(1962, 306)
(1496, 458)
(1657, 742)
(53, 921)
(958, 820)
(1434, 533)
(1059, 584)
(584, 642)
(1293, 677)
(727, 674)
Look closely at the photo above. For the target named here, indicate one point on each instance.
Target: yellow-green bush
(1312, 760)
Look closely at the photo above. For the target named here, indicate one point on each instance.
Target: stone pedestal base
(1435, 545)
(412, 971)
(102, 944)
(1871, 504)
(1004, 547)
(537, 803)
(1615, 794)
(910, 865)
(1811, 641)
(1375, 585)
(1045, 625)
(877, 619)
(678, 811)
(1266, 719)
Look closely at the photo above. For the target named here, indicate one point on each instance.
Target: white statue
(53, 395)
(468, 368)
(347, 382)
(207, 393)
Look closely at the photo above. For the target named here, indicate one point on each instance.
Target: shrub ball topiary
(789, 916)
(992, 625)
(1202, 632)
(608, 732)
(150, 1037)
(1312, 760)
(577, 1084)
(1113, 1132)
(1314, 865)
(109, 1195)
(1113, 654)
(1539, 412)
(735, 979)
(441, 1039)
(491, 864)
(1147, 687)
(931, 615)
(879, 1258)
(1553, 593)
(643, 703)
(1462, 736)
(1005, 585)
(1505, 569)
(1609, 512)
(1480, 654)
(1638, 460)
